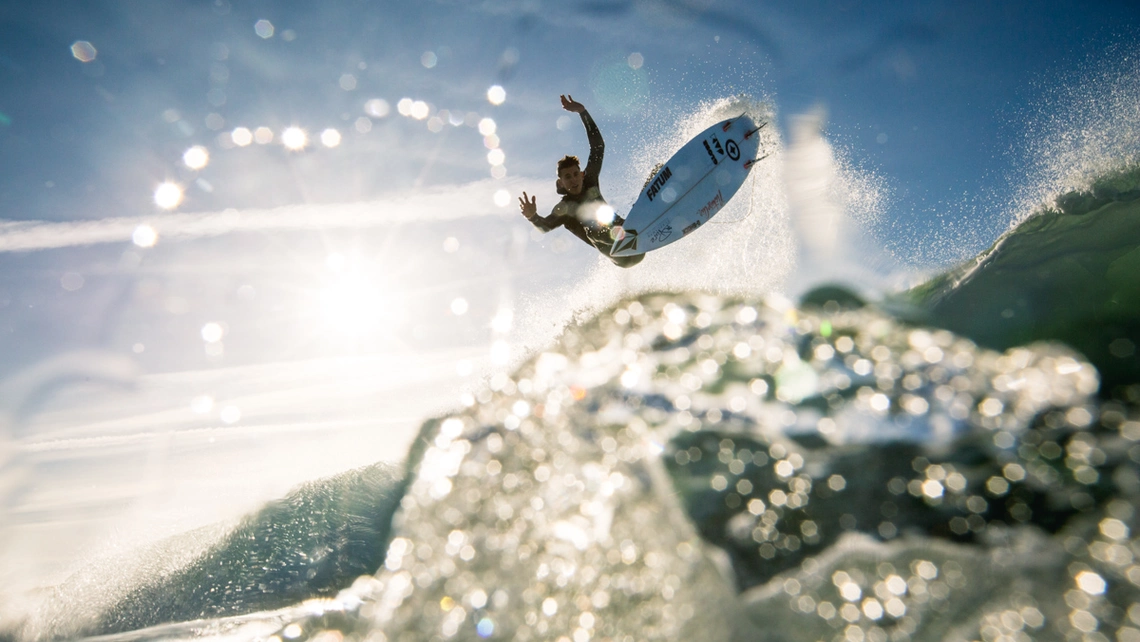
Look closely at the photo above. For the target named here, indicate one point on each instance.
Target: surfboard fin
(749, 164)
(749, 134)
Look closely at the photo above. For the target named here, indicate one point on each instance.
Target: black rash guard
(577, 212)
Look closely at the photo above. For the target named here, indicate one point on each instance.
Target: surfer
(582, 209)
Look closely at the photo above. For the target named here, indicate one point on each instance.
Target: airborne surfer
(582, 209)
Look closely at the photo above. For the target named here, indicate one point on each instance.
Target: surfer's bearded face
(571, 179)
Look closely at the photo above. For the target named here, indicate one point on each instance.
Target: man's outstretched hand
(529, 208)
(569, 104)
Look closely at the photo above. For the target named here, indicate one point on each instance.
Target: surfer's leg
(620, 261)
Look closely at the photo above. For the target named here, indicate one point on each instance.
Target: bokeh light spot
(348, 82)
(377, 108)
(451, 245)
(263, 135)
(459, 306)
(496, 95)
(196, 157)
(429, 59)
(241, 136)
(500, 353)
(635, 60)
(212, 332)
(496, 157)
(420, 110)
(202, 404)
(71, 281)
(485, 628)
(363, 124)
(294, 138)
(263, 28)
(230, 414)
(502, 198)
(487, 127)
(144, 236)
(83, 51)
(168, 195)
(503, 321)
(1091, 583)
(330, 137)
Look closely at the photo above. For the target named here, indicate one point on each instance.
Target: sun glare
(353, 306)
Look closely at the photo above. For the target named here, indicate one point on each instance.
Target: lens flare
(377, 108)
(168, 195)
(294, 138)
(330, 137)
(263, 28)
(241, 136)
(196, 157)
(83, 51)
(212, 332)
(144, 236)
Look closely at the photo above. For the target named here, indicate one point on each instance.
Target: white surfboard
(692, 187)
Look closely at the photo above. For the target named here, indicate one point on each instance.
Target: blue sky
(948, 83)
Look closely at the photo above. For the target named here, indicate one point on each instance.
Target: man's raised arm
(593, 135)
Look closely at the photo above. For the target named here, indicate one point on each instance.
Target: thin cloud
(438, 204)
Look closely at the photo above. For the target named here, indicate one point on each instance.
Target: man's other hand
(529, 207)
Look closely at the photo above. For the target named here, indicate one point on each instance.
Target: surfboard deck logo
(628, 243)
(691, 187)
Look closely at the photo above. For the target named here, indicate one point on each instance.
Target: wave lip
(1066, 273)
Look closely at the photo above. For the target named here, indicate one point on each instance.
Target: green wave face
(1070, 272)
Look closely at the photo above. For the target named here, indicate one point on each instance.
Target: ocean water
(820, 434)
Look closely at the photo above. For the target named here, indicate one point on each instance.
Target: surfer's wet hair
(568, 161)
